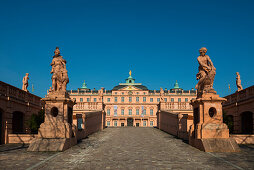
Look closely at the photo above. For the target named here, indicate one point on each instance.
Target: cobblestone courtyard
(126, 148)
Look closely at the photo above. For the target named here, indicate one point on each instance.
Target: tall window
(186, 99)
(165, 99)
(144, 112)
(137, 99)
(144, 99)
(79, 122)
(108, 123)
(130, 111)
(115, 123)
(122, 111)
(130, 99)
(158, 99)
(122, 99)
(108, 99)
(151, 112)
(144, 123)
(151, 123)
(172, 99)
(137, 111)
(88, 99)
(108, 112)
(95, 100)
(115, 99)
(115, 112)
(151, 99)
(81, 99)
(179, 99)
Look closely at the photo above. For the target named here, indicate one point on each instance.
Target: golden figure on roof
(130, 73)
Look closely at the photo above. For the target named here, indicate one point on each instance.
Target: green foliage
(228, 120)
(35, 121)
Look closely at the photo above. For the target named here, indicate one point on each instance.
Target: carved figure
(162, 94)
(238, 82)
(25, 82)
(206, 73)
(100, 92)
(59, 73)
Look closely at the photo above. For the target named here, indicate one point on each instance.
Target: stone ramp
(131, 148)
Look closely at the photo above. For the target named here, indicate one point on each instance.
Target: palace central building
(130, 103)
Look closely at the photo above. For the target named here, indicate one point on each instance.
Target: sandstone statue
(238, 82)
(206, 73)
(162, 94)
(60, 77)
(25, 82)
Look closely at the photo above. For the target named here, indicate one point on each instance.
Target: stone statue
(206, 73)
(60, 77)
(162, 94)
(100, 93)
(238, 82)
(25, 82)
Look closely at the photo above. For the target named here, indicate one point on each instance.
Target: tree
(35, 121)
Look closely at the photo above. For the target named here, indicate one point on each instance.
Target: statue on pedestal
(238, 82)
(162, 94)
(60, 77)
(206, 73)
(25, 82)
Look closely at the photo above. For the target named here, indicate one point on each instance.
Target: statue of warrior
(206, 73)
(25, 82)
(60, 76)
(238, 82)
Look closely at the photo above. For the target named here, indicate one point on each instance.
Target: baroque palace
(130, 103)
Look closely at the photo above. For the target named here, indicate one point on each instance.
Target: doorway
(129, 122)
(137, 124)
(17, 122)
(247, 122)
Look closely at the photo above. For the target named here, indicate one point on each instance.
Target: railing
(175, 106)
(88, 106)
(240, 96)
(12, 92)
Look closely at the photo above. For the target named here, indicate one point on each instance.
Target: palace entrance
(129, 122)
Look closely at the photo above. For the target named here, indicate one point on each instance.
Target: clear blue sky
(102, 40)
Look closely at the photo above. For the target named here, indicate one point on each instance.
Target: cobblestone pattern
(128, 148)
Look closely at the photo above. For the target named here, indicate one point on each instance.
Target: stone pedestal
(208, 132)
(57, 133)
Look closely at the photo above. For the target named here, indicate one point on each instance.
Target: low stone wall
(175, 123)
(93, 122)
(243, 139)
(21, 138)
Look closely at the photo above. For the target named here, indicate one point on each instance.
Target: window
(115, 112)
(108, 99)
(122, 124)
(151, 99)
(144, 99)
(130, 111)
(151, 123)
(137, 92)
(95, 100)
(137, 99)
(144, 123)
(165, 99)
(79, 121)
(179, 99)
(144, 112)
(130, 99)
(122, 92)
(108, 123)
(122, 99)
(88, 99)
(81, 99)
(144, 92)
(186, 99)
(122, 112)
(115, 99)
(115, 92)
(115, 123)
(108, 112)
(172, 99)
(137, 111)
(158, 99)
(151, 112)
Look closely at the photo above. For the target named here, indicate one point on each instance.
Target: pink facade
(130, 103)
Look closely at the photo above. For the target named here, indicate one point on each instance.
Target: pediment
(130, 87)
